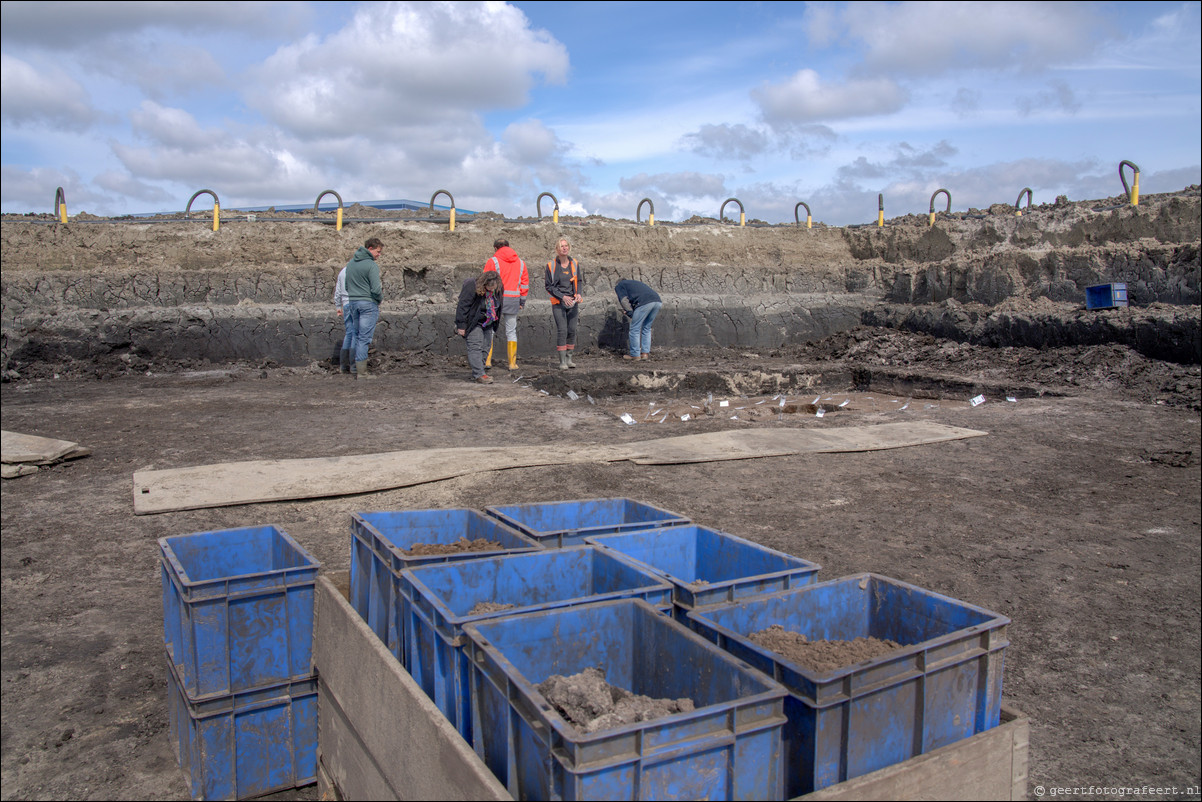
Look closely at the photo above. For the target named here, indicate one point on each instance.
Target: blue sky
(132, 107)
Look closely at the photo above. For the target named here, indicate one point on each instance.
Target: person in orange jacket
(563, 282)
(516, 281)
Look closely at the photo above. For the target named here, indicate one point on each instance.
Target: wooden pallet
(380, 737)
(990, 765)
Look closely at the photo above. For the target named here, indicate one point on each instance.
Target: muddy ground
(1078, 516)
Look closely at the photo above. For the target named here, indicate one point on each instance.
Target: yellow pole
(62, 212)
(742, 219)
(652, 218)
(809, 221)
(216, 215)
(1135, 190)
(452, 218)
(338, 221)
(880, 218)
(555, 215)
(932, 219)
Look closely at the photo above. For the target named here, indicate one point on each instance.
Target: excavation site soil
(165, 344)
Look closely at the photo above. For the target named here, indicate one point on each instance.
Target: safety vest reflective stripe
(551, 265)
(522, 272)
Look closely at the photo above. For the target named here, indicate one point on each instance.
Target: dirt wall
(177, 290)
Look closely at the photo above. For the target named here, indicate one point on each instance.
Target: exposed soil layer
(114, 291)
(591, 704)
(820, 656)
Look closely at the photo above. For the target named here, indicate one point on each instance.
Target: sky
(133, 107)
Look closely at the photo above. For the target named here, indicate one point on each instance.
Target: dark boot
(344, 360)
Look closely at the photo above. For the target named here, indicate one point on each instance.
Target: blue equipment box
(237, 609)
(568, 523)
(943, 685)
(244, 744)
(727, 748)
(441, 598)
(707, 567)
(1106, 296)
(379, 545)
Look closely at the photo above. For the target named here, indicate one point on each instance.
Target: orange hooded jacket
(514, 278)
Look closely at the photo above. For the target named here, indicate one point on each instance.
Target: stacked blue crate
(443, 598)
(567, 523)
(238, 636)
(381, 548)
(709, 567)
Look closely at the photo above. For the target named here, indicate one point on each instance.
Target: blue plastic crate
(707, 567)
(1106, 296)
(568, 523)
(379, 545)
(441, 598)
(944, 684)
(237, 609)
(244, 744)
(727, 748)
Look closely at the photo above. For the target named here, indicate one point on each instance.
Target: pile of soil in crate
(459, 546)
(820, 655)
(591, 704)
(484, 608)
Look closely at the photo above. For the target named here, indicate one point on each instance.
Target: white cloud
(805, 99)
(36, 189)
(929, 38)
(1059, 96)
(689, 184)
(531, 142)
(404, 64)
(726, 141)
(178, 69)
(174, 128)
(30, 96)
(70, 25)
(125, 185)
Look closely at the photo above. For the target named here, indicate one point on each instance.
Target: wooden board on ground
(716, 446)
(20, 452)
(233, 483)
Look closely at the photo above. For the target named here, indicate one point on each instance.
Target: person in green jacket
(364, 291)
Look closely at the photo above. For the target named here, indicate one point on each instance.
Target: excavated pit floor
(1077, 516)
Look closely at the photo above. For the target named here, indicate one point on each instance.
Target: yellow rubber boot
(513, 355)
(488, 359)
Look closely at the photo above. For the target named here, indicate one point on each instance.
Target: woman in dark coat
(476, 319)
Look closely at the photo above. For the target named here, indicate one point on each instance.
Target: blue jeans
(348, 325)
(364, 315)
(641, 321)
